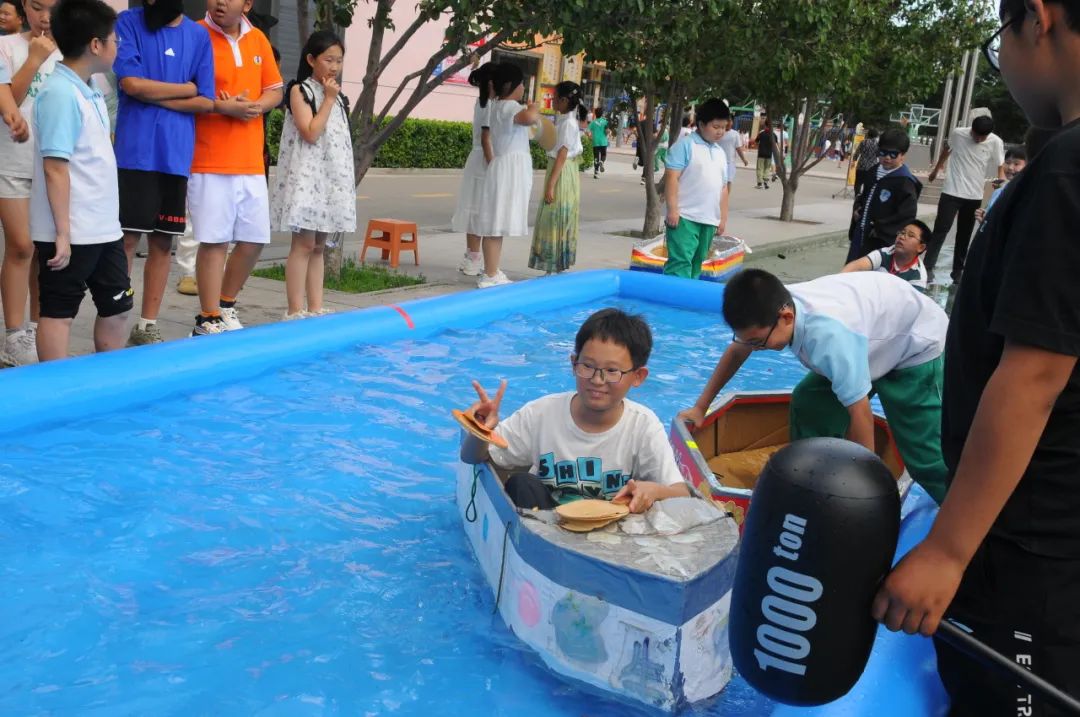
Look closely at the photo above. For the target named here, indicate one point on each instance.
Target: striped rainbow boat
(725, 257)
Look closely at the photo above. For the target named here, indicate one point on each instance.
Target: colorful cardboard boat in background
(725, 257)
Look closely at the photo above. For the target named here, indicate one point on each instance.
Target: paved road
(429, 199)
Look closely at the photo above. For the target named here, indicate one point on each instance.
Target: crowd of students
(188, 146)
(497, 180)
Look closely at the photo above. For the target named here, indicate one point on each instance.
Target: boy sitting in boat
(859, 334)
(588, 443)
(902, 259)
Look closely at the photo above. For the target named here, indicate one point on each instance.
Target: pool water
(290, 545)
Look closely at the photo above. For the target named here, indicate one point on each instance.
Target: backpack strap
(305, 92)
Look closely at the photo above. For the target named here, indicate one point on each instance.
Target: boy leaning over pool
(592, 442)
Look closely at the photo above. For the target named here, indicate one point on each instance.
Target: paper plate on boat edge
(581, 516)
(470, 424)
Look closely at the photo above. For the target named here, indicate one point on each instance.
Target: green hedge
(427, 144)
(273, 132)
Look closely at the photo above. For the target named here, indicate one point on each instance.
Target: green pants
(911, 398)
(687, 246)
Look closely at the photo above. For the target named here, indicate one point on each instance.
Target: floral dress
(315, 187)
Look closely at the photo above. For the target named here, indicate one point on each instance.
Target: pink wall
(447, 102)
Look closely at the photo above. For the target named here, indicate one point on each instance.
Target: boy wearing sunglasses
(887, 204)
(592, 442)
(1003, 555)
(859, 334)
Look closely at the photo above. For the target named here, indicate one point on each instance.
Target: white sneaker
(230, 319)
(294, 317)
(486, 282)
(20, 348)
(208, 328)
(470, 266)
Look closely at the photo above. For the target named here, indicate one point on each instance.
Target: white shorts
(14, 187)
(229, 207)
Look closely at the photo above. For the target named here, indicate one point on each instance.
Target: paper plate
(545, 134)
(577, 526)
(592, 511)
(470, 424)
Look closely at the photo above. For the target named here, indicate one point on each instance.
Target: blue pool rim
(52, 394)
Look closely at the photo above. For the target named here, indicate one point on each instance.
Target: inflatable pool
(725, 257)
(263, 522)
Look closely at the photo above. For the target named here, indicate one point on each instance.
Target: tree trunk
(363, 159)
(676, 105)
(787, 204)
(647, 141)
(303, 21)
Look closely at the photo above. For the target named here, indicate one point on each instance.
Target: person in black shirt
(766, 147)
(1003, 555)
(888, 203)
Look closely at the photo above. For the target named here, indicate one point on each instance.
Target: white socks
(142, 323)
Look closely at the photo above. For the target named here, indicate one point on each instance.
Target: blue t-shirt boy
(149, 137)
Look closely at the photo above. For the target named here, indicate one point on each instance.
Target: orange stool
(390, 239)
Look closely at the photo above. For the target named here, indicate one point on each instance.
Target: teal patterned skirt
(555, 232)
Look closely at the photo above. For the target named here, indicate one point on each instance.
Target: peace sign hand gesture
(486, 410)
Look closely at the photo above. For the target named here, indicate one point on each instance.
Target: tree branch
(424, 88)
(401, 88)
(386, 59)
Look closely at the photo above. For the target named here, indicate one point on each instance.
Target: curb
(811, 242)
(799, 244)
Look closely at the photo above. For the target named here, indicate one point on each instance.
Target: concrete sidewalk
(602, 244)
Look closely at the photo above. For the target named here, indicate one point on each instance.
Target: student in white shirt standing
(467, 216)
(29, 58)
(731, 142)
(972, 149)
(74, 199)
(555, 232)
(695, 183)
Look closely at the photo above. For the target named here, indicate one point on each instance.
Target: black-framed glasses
(890, 153)
(759, 344)
(992, 47)
(610, 375)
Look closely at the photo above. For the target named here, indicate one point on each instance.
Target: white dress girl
(315, 188)
(467, 216)
(504, 204)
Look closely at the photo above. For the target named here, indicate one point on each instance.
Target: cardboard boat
(643, 620)
(724, 457)
(725, 257)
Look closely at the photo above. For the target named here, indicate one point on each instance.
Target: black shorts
(1025, 606)
(152, 202)
(100, 267)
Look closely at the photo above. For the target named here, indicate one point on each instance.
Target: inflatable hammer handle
(967, 644)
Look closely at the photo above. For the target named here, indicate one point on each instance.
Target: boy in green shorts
(859, 334)
(695, 185)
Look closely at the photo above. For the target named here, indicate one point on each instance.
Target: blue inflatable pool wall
(901, 678)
